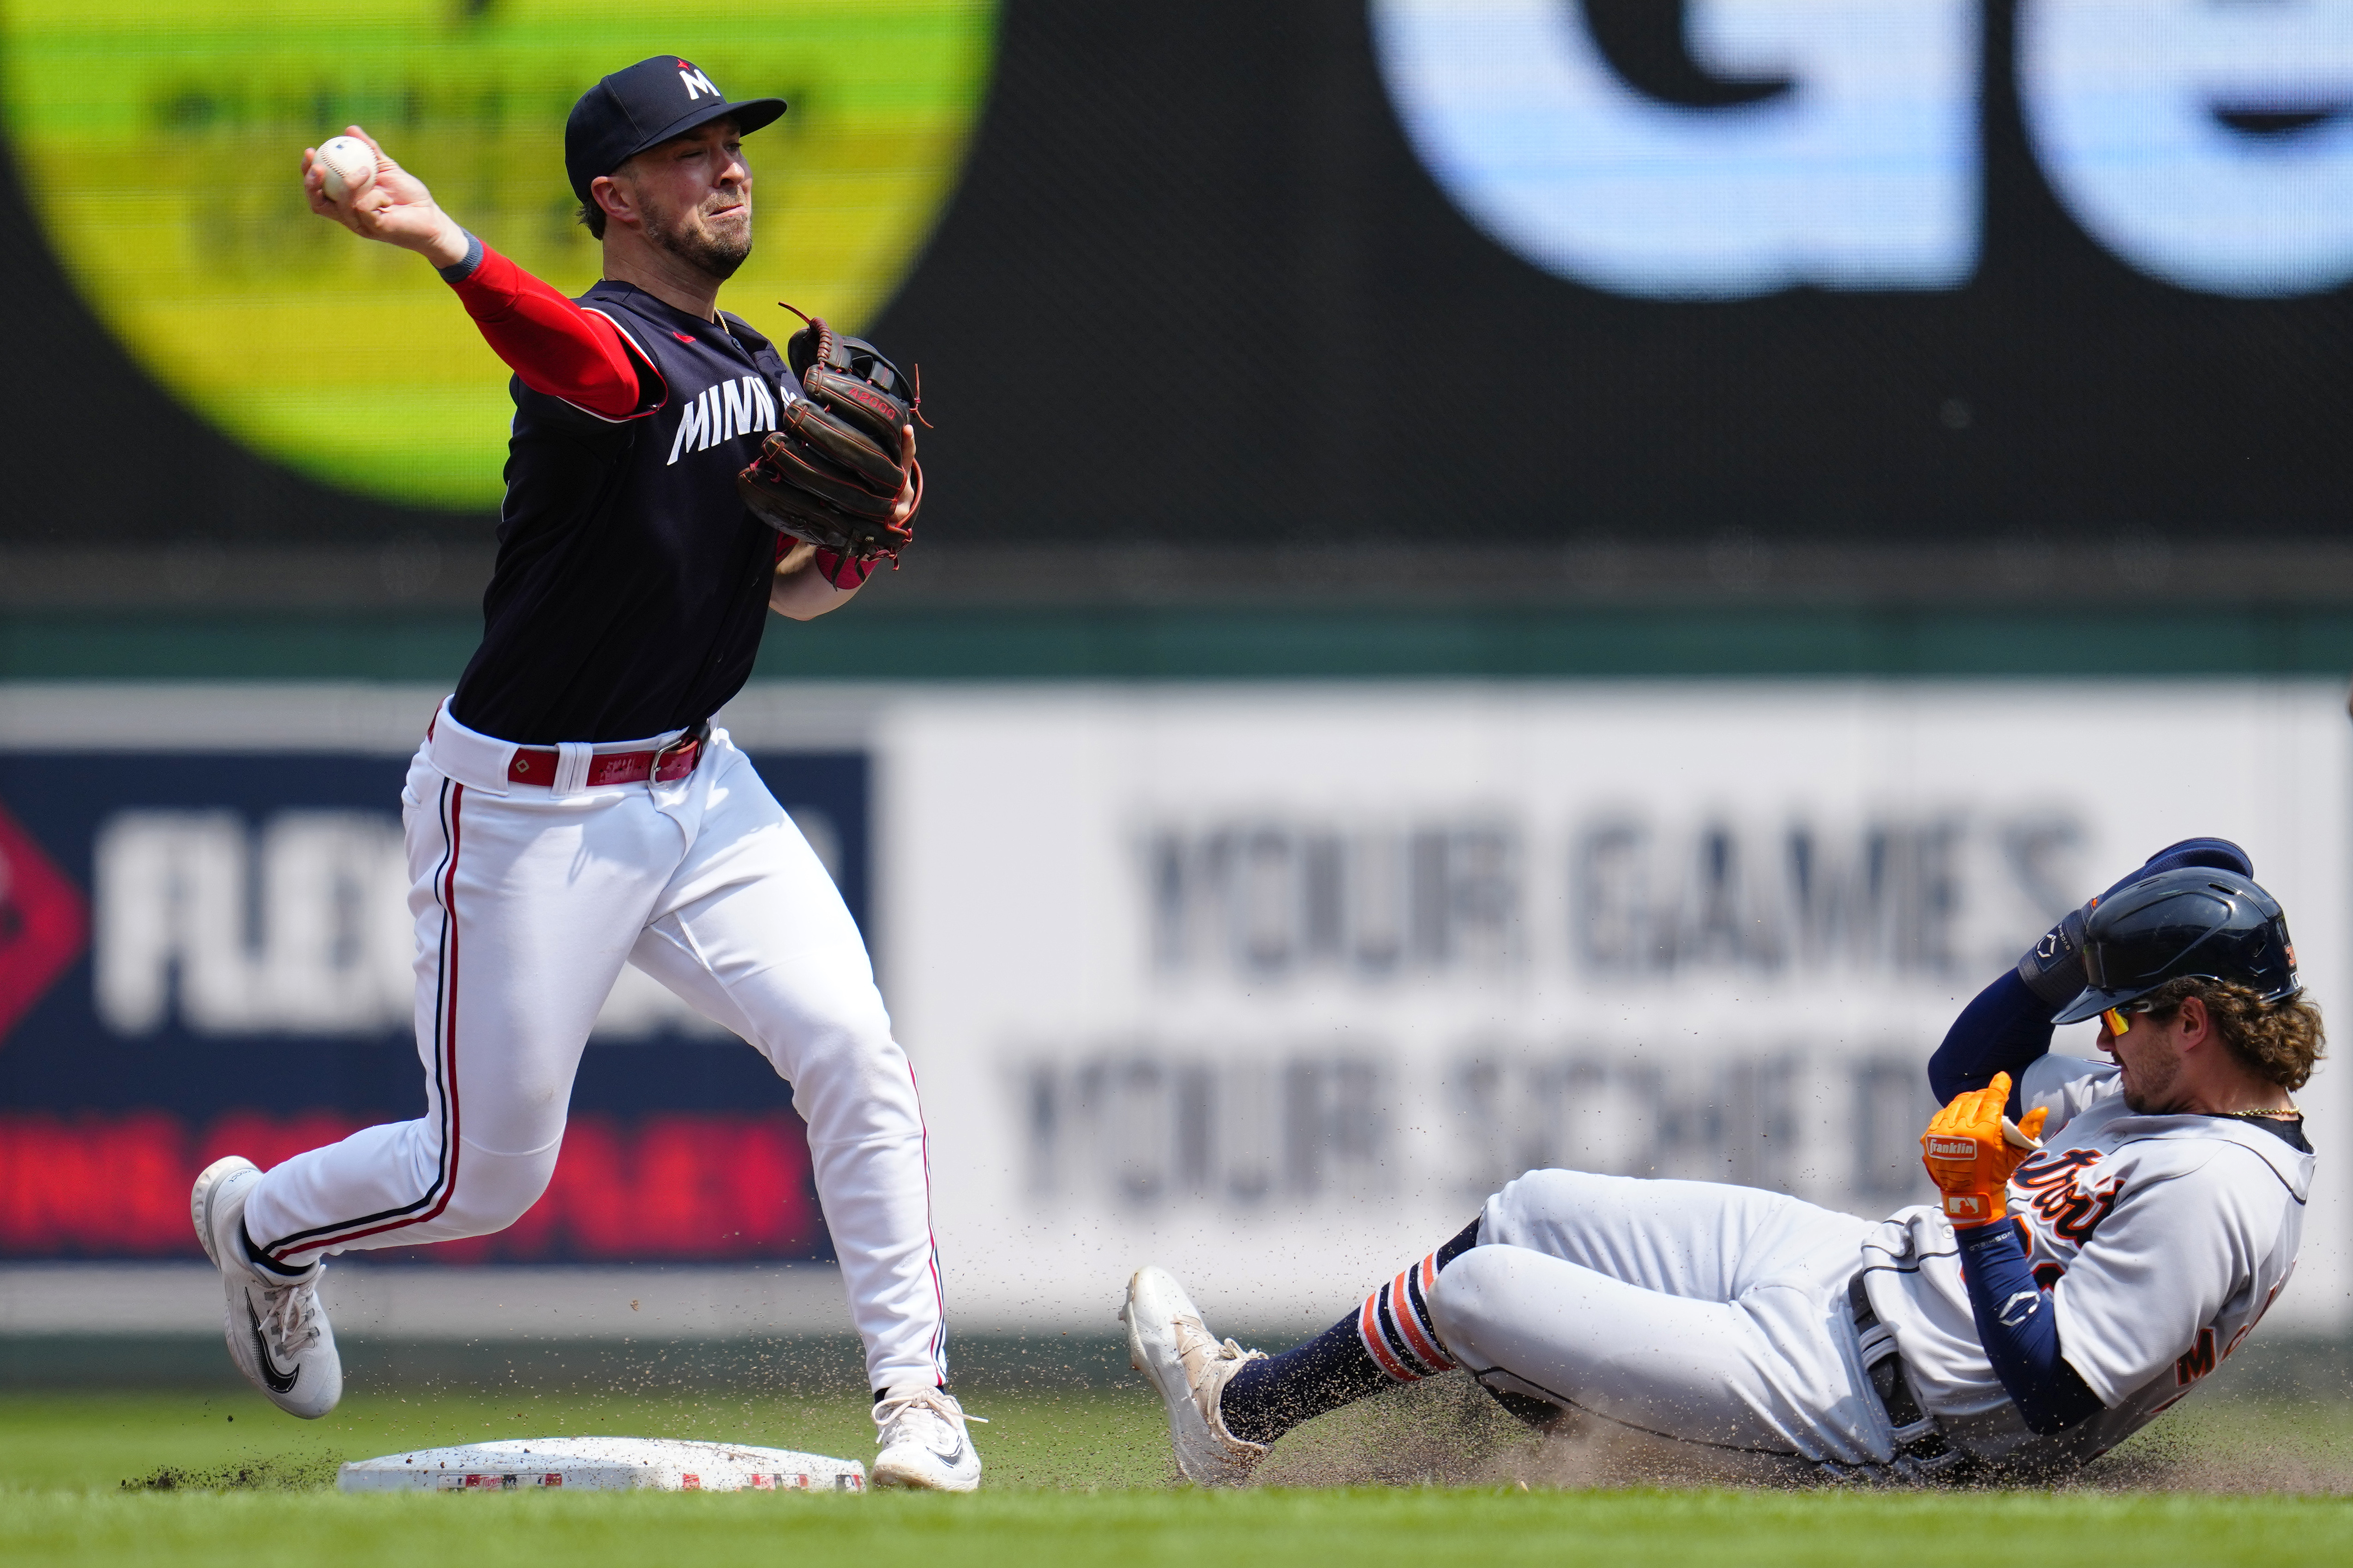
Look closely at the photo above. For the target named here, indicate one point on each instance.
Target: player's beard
(717, 248)
(2149, 1080)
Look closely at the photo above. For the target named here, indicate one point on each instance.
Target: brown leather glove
(839, 469)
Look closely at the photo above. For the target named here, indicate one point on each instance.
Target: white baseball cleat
(1167, 1342)
(277, 1333)
(925, 1446)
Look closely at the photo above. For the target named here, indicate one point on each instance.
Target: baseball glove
(834, 472)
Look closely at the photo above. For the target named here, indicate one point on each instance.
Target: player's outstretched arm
(395, 208)
(553, 345)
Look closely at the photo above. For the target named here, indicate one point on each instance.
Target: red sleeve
(552, 343)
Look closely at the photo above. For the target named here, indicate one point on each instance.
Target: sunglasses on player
(2119, 1019)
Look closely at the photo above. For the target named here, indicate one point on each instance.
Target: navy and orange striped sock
(1386, 1341)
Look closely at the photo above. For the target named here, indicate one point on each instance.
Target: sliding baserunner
(2055, 1300)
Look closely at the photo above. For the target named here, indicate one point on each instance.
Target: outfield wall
(1275, 985)
(1269, 984)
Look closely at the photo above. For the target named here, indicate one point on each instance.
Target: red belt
(536, 764)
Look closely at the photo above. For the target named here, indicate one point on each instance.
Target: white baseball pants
(527, 902)
(1714, 1314)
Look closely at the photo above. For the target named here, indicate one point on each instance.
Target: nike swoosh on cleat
(278, 1381)
(953, 1457)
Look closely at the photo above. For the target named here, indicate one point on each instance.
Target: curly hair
(2278, 1043)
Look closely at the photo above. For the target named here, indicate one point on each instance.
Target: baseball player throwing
(571, 809)
(2062, 1293)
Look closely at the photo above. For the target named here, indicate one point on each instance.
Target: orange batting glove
(1970, 1149)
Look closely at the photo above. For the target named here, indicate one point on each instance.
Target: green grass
(1084, 1478)
(1625, 1530)
(95, 1443)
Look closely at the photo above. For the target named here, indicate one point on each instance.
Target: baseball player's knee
(844, 1061)
(852, 1040)
(493, 1191)
(1528, 1204)
(848, 1010)
(808, 1018)
(1471, 1297)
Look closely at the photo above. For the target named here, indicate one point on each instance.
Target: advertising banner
(1270, 984)
(208, 951)
(206, 264)
(1611, 274)
(1274, 986)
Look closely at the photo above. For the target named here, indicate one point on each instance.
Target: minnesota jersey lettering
(546, 671)
(723, 411)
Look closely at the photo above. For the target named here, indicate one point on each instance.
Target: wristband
(459, 271)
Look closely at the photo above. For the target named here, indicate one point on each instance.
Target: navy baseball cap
(642, 107)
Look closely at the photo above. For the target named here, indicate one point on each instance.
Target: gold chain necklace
(2290, 1114)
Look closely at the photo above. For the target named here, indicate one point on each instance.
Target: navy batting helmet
(2198, 920)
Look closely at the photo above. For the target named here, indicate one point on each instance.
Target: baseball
(348, 166)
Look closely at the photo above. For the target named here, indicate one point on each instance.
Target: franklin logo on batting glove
(1970, 1149)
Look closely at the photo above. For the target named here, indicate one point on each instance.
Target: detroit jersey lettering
(2160, 1241)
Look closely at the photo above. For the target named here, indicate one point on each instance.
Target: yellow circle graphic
(160, 143)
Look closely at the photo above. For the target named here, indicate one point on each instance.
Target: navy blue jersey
(631, 585)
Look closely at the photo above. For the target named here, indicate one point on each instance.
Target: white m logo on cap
(697, 84)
